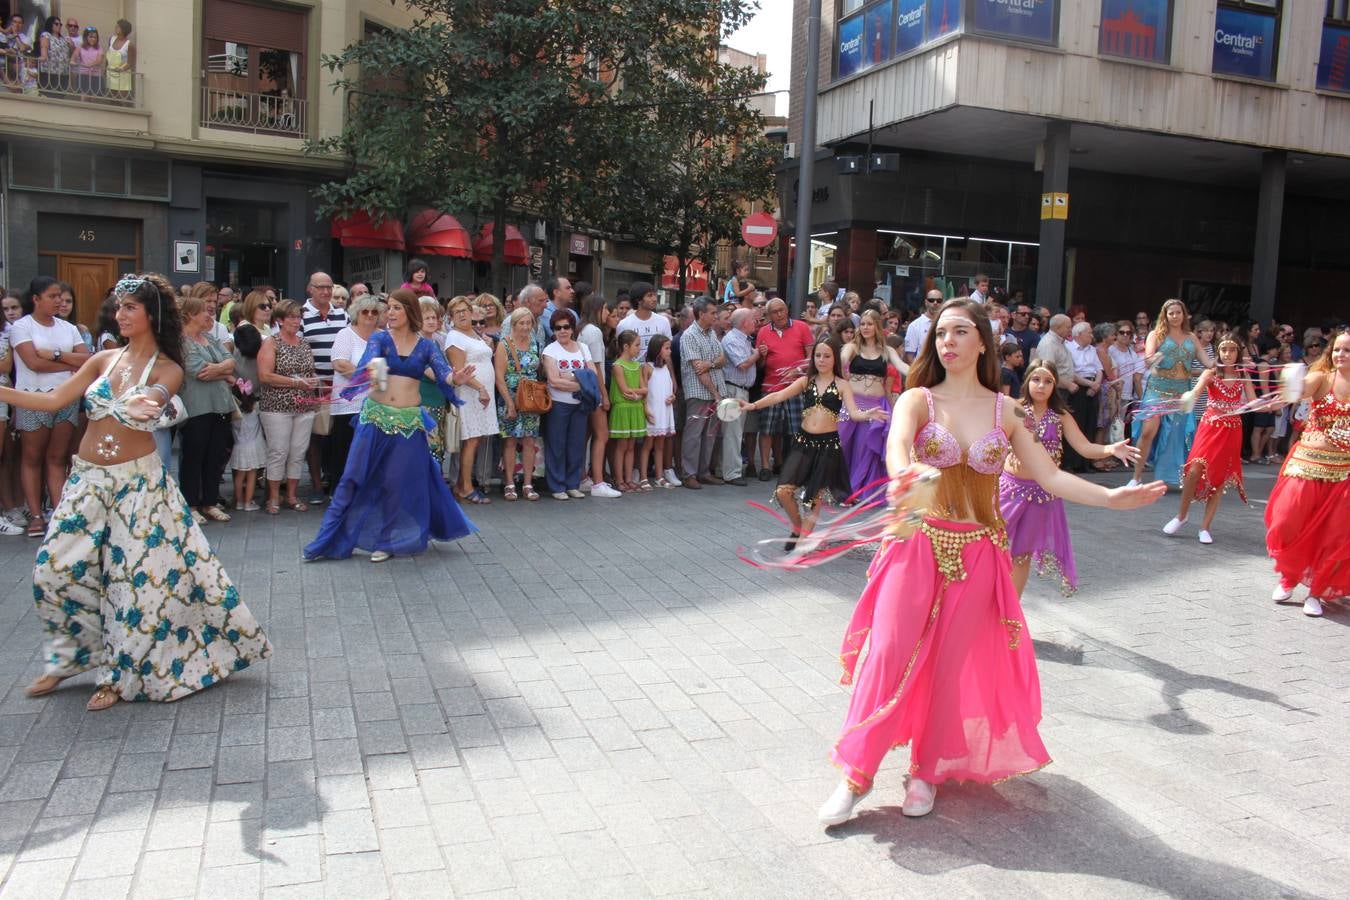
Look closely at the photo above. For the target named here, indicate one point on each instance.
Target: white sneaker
(561, 495)
(575, 494)
(18, 515)
(604, 490)
(919, 798)
(1312, 607)
(1281, 593)
(8, 527)
(672, 477)
(1133, 482)
(1206, 537)
(380, 556)
(839, 808)
(587, 484)
(1173, 526)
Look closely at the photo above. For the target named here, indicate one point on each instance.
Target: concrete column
(1054, 179)
(1266, 253)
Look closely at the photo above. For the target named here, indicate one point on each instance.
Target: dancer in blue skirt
(392, 499)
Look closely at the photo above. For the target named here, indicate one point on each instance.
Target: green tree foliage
(547, 107)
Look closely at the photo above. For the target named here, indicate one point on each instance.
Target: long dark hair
(834, 346)
(654, 349)
(36, 287)
(928, 370)
(161, 307)
(1056, 402)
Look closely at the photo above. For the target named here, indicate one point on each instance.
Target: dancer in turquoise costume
(392, 499)
(125, 582)
(1170, 351)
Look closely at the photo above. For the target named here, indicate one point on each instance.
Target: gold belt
(948, 544)
(1315, 464)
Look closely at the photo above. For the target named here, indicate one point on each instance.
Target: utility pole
(806, 162)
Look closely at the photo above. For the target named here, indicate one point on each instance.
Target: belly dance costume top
(937, 650)
(1168, 380)
(1307, 529)
(125, 581)
(1038, 529)
(864, 443)
(392, 496)
(1217, 449)
(816, 465)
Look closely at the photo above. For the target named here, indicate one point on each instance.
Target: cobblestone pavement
(596, 699)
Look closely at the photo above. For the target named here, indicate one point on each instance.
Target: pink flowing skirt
(942, 662)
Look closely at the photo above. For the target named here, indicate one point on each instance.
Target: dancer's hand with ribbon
(144, 408)
(908, 496)
(1135, 497)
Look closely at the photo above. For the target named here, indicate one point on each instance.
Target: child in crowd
(659, 378)
(1010, 382)
(627, 412)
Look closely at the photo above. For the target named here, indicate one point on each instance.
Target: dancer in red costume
(1308, 517)
(1215, 461)
(937, 649)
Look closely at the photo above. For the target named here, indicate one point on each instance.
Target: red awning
(517, 249)
(359, 230)
(695, 278)
(432, 233)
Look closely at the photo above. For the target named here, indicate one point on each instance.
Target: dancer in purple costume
(865, 360)
(1038, 530)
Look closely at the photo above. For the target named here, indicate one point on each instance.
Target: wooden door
(91, 277)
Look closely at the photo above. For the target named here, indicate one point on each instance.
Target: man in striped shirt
(320, 323)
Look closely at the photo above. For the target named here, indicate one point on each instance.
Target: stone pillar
(1266, 253)
(1054, 179)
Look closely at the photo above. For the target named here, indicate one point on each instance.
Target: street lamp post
(806, 162)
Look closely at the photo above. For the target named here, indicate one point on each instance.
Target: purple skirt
(1038, 530)
(864, 445)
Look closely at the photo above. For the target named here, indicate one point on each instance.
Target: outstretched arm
(791, 390)
(1088, 450)
(69, 391)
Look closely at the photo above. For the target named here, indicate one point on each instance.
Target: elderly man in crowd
(1052, 350)
(739, 372)
(1087, 377)
(320, 322)
(786, 348)
(702, 359)
(534, 298)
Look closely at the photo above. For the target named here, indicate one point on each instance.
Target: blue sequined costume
(1169, 378)
(392, 496)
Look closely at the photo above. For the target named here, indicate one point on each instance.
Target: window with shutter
(253, 74)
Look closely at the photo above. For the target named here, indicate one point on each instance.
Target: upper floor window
(1136, 29)
(1247, 37)
(254, 73)
(1333, 62)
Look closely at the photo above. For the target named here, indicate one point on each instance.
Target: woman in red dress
(1308, 517)
(937, 650)
(1215, 461)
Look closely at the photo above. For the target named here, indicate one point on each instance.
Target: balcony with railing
(257, 113)
(19, 76)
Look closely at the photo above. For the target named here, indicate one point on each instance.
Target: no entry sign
(759, 229)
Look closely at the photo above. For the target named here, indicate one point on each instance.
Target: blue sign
(941, 17)
(850, 46)
(1333, 63)
(1244, 43)
(1028, 20)
(908, 26)
(1136, 29)
(877, 27)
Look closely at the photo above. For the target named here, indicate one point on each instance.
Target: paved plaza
(597, 699)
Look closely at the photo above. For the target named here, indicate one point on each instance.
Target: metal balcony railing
(20, 75)
(254, 112)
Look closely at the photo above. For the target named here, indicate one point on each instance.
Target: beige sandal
(103, 698)
(45, 685)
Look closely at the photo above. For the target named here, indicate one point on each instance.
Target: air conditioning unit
(790, 150)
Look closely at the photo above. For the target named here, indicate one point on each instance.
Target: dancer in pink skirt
(937, 650)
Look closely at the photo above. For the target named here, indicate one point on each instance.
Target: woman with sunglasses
(348, 347)
(53, 63)
(566, 360)
(478, 410)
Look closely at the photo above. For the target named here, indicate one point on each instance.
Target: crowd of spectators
(55, 57)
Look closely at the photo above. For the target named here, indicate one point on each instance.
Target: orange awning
(360, 230)
(433, 233)
(517, 249)
(695, 278)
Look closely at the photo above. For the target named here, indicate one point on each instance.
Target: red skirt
(1307, 526)
(1217, 453)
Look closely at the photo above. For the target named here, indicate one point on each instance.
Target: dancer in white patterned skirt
(125, 581)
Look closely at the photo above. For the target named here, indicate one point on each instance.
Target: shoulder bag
(532, 397)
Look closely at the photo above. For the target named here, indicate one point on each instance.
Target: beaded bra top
(1222, 397)
(100, 401)
(1330, 418)
(829, 399)
(968, 487)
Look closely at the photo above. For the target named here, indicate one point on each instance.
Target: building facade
(1111, 153)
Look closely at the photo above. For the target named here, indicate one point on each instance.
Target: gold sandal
(103, 698)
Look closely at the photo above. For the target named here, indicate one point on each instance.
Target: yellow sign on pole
(1060, 207)
(1047, 206)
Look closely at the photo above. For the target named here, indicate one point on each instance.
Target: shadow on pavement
(1052, 825)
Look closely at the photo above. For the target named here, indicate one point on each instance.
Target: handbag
(532, 396)
(323, 420)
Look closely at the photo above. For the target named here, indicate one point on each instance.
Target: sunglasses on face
(478, 323)
(73, 26)
(562, 326)
(370, 312)
(264, 306)
(1124, 332)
